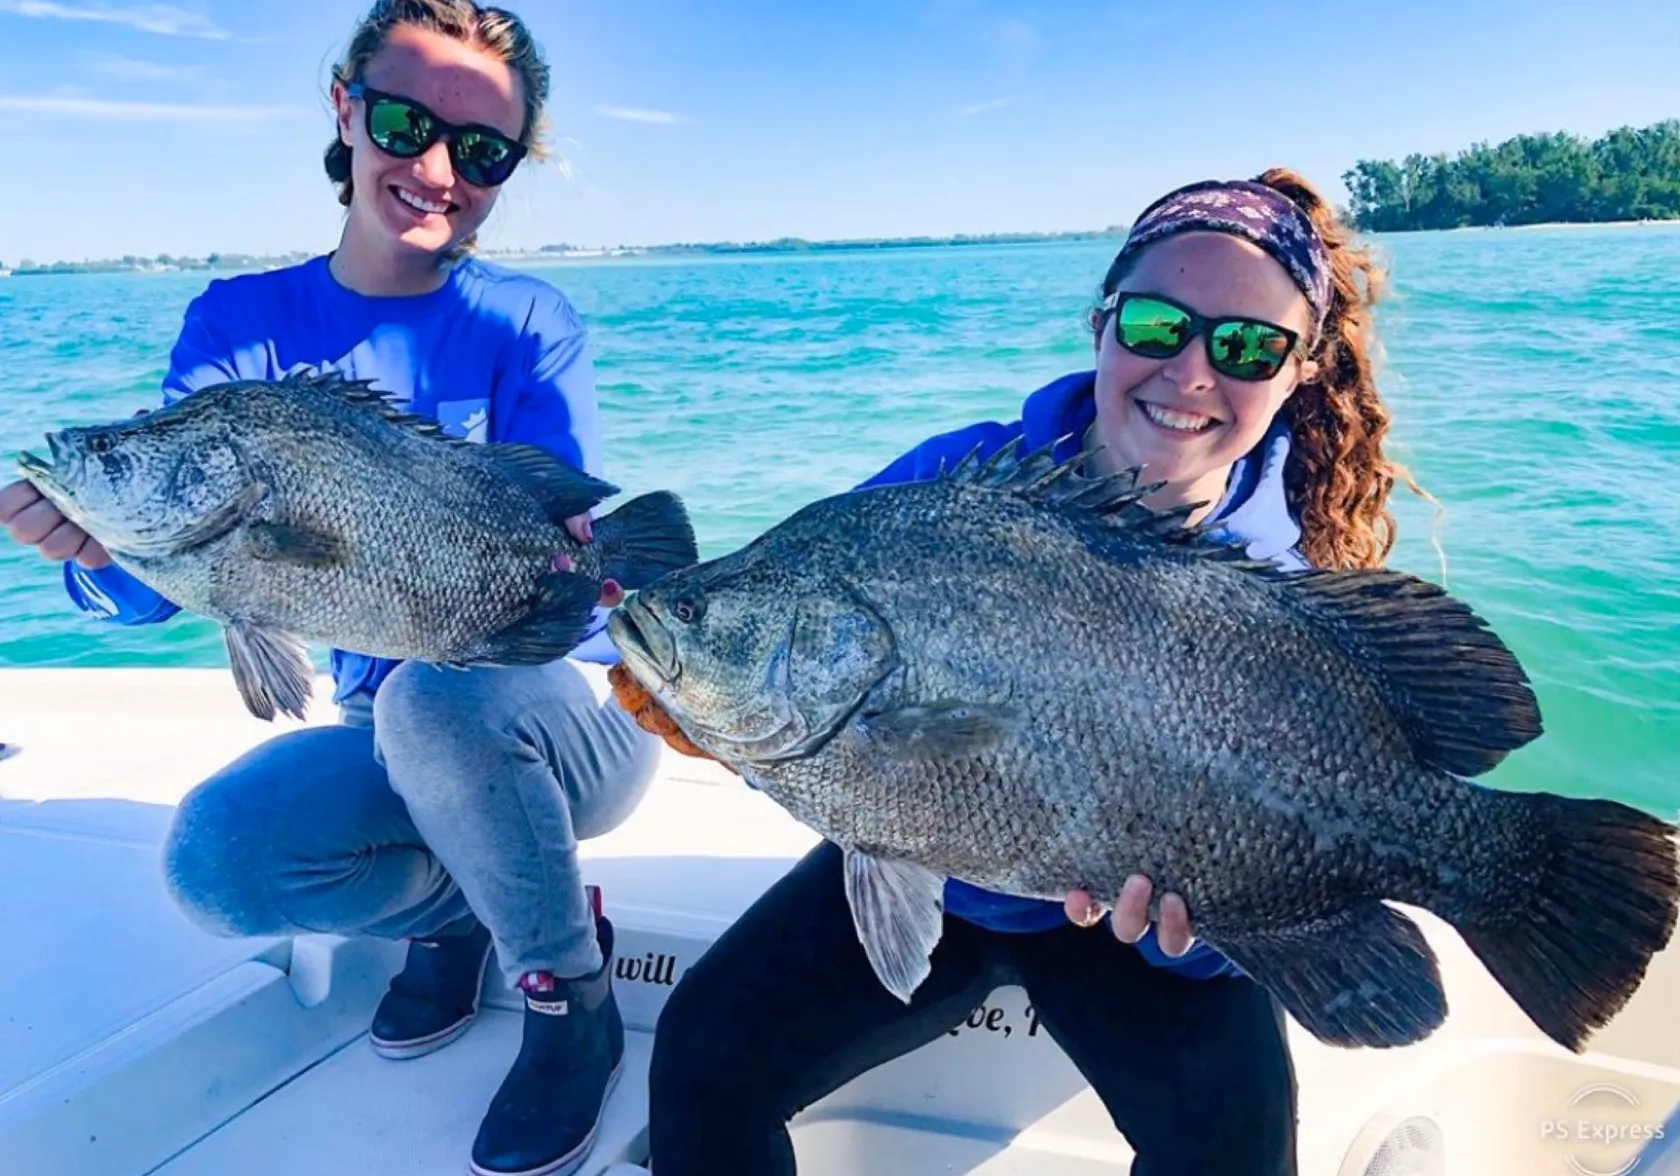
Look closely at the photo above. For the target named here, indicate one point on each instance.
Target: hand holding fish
(866, 665)
(580, 528)
(33, 521)
(1131, 915)
(639, 704)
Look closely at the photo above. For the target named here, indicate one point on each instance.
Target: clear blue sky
(136, 127)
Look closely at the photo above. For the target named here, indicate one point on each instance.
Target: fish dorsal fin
(563, 490)
(1460, 695)
(337, 383)
(1036, 476)
(363, 394)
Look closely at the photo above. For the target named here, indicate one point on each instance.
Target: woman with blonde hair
(445, 808)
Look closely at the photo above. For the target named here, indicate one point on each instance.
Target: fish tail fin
(644, 539)
(1591, 902)
(1363, 976)
(554, 625)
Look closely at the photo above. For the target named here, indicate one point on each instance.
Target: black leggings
(784, 1009)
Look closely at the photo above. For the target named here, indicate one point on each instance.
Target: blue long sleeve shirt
(492, 355)
(1254, 513)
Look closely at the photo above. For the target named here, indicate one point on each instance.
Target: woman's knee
(612, 763)
(442, 732)
(238, 837)
(215, 864)
(431, 727)
(418, 701)
(437, 714)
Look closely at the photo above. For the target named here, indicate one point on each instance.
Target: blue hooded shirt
(1254, 512)
(492, 355)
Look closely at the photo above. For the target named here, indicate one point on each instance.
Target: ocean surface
(1534, 377)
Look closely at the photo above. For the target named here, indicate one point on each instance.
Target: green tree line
(1629, 174)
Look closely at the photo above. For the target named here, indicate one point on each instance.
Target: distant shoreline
(559, 254)
(1547, 225)
(167, 263)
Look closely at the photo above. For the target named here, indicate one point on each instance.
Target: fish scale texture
(1178, 717)
(434, 546)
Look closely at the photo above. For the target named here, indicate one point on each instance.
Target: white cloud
(632, 114)
(975, 108)
(142, 111)
(166, 20)
(130, 69)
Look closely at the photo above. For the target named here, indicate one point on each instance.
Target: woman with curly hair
(1233, 365)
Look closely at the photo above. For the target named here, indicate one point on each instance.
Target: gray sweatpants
(463, 792)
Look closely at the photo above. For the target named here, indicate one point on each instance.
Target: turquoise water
(1534, 376)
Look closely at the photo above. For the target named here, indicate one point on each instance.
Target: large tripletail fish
(312, 509)
(1025, 679)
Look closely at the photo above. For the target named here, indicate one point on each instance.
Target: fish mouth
(41, 471)
(58, 450)
(644, 642)
(59, 476)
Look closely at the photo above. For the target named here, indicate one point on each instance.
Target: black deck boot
(435, 998)
(543, 1120)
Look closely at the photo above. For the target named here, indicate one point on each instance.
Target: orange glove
(647, 712)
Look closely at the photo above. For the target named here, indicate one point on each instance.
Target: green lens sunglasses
(1156, 327)
(482, 156)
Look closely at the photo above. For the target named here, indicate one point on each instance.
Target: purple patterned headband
(1252, 211)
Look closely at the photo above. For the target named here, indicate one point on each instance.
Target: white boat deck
(131, 1043)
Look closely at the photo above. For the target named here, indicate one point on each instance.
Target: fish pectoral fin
(898, 908)
(296, 544)
(553, 626)
(938, 730)
(213, 525)
(564, 491)
(1365, 976)
(271, 670)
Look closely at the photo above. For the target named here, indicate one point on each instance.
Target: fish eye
(99, 443)
(688, 610)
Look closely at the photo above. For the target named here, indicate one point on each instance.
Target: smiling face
(404, 208)
(1178, 418)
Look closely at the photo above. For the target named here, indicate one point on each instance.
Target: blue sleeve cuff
(115, 595)
(1201, 962)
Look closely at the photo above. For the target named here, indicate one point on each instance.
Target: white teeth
(413, 201)
(1167, 418)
